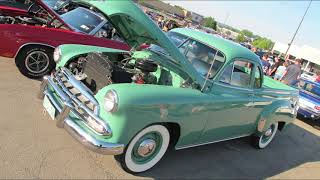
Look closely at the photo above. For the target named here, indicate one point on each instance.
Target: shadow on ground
(311, 122)
(237, 159)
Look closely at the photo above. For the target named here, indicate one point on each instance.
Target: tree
(263, 43)
(247, 33)
(210, 22)
(240, 38)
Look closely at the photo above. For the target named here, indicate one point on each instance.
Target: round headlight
(57, 54)
(111, 101)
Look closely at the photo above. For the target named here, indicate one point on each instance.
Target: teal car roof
(229, 48)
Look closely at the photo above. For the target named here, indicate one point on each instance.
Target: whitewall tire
(145, 150)
(266, 137)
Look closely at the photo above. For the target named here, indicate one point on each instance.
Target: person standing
(292, 73)
(160, 21)
(265, 63)
(274, 67)
(317, 77)
(280, 71)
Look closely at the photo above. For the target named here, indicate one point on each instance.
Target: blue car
(309, 99)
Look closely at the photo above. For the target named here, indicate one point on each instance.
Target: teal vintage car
(187, 89)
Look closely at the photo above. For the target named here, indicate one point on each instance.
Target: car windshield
(202, 57)
(82, 20)
(199, 55)
(310, 88)
(176, 38)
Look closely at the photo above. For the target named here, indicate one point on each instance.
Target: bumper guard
(63, 121)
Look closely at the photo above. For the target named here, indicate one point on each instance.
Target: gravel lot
(32, 147)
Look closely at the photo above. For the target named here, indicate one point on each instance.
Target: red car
(30, 36)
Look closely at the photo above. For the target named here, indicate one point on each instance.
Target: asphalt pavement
(31, 146)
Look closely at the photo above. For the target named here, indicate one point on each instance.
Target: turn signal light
(317, 108)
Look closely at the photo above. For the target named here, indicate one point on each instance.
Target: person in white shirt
(280, 71)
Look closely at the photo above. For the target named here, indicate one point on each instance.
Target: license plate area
(51, 110)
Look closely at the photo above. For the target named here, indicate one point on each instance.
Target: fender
(16, 36)
(278, 111)
(11, 11)
(69, 51)
(148, 104)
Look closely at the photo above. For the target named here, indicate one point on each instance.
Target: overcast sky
(277, 20)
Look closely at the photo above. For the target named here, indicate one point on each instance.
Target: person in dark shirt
(265, 63)
(274, 67)
(292, 73)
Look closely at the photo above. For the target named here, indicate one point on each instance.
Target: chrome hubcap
(37, 62)
(146, 147)
(268, 132)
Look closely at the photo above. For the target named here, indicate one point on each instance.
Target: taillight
(317, 108)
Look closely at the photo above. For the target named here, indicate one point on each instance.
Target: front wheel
(35, 61)
(266, 137)
(145, 150)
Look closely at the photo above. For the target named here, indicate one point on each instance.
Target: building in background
(196, 18)
(309, 55)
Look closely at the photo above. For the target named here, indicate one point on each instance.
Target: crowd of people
(288, 72)
(284, 71)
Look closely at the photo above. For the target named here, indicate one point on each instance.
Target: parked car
(309, 99)
(189, 88)
(31, 35)
(309, 76)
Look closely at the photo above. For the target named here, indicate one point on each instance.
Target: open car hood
(137, 28)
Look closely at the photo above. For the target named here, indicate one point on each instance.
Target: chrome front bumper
(63, 120)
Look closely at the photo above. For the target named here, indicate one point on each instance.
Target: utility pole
(227, 16)
(294, 36)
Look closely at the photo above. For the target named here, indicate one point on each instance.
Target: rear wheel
(145, 150)
(265, 139)
(35, 61)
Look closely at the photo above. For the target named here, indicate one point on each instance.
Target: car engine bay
(22, 20)
(97, 70)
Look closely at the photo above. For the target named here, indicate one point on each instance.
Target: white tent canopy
(305, 52)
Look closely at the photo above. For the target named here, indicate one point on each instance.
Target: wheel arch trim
(31, 43)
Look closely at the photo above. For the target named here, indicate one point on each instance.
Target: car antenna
(208, 74)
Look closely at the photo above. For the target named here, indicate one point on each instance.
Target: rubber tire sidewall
(125, 159)
(255, 140)
(21, 58)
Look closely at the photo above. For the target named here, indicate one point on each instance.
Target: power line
(294, 36)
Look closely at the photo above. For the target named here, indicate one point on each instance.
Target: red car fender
(10, 11)
(18, 36)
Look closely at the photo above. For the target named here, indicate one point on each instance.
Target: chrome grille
(76, 90)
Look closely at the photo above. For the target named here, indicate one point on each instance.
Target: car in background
(309, 99)
(31, 35)
(309, 76)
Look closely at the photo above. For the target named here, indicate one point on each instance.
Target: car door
(230, 113)
(261, 97)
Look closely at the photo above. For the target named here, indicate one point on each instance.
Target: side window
(257, 78)
(237, 74)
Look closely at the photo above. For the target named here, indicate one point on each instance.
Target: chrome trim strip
(201, 144)
(233, 87)
(31, 43)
